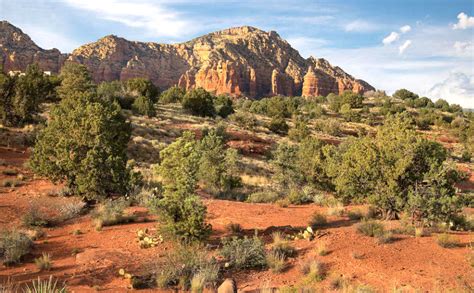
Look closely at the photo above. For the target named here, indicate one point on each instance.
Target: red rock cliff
(237, 61)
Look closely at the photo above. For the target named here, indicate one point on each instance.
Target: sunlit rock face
(242, 61)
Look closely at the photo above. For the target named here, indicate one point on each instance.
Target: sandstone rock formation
(237, 61)
(17, 51)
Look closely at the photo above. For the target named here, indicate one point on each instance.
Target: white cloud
(47, 39)
(464, 48)
(457, 88)
(392, 37)
(405, 29)
(464, 21)
(154, 18)
(307, 46)
(360, 26)
(405, 46)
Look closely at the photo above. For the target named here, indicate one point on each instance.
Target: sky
(426, 46)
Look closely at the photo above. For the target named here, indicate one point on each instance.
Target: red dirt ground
(409, 262)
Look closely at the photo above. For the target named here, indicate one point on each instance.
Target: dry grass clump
(318, 221)
(355, 215)
(36, 217)
(234, 228)
(244, 253)
(313, 270)
(375, 229)
(11, 183)
(281, 245)
(13, 246)
(321, 249)
(111, 213)
(447, 241)
(276, 261)
(10, 172)
(188, 267)
(44, 263)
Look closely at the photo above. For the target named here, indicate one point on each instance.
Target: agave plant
(45, 286)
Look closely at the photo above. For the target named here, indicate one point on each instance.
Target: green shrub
(300, 131)
(199, 102)
(45, 286)
(318, 221)
(143, 106)
(278, 125)
(352, 99)
(183, 216)
(244, 120)
(447, 241)
(174, 94)
(142, 87)
(223, 105)
(244, 253)
(13, 246)
(329, 126)
(371, 228)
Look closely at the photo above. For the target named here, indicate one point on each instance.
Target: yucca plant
(45, 286)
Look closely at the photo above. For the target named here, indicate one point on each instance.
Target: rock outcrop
(17, 51)
(242, 61)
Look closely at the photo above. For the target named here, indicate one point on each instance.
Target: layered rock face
(242, 61)
(17, 51)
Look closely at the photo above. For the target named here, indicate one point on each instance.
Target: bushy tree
(335, 102)
(223, 106)
(303, 164)
(181, 210)
(442, 104)
(348, 114)
(199, 102)
(84, 144)
(353, 99)
(142, 87)
(434, 199)
(217, 165)
(405, 94)
(75, 78)
(174, 94)
(278, 125)
(300, 131)
(7, 92)
(179, 164)
(21, 95)
(383, 169)
(143, 106)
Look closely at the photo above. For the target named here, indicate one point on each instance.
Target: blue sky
(426, 46)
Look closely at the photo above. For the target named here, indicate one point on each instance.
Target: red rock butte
(241, 61)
